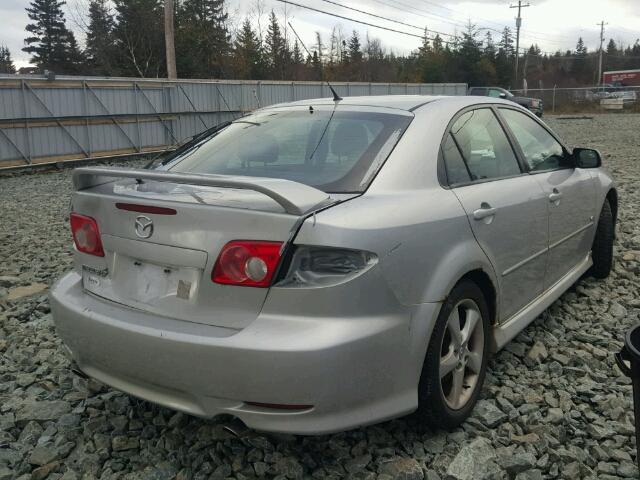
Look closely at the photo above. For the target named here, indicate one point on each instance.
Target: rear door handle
(485, 211)
(555, 196)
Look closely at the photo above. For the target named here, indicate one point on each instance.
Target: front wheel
(602, 250)
(456, 360)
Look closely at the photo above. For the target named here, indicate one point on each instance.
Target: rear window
(335, 150)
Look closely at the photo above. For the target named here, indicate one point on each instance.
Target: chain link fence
(595, 99)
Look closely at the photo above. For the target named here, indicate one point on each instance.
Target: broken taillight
(86, 235)
(247, 263)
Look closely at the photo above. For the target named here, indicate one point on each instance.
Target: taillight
(86, 235)
(247, 263)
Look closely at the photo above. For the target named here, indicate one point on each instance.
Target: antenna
(336, 97)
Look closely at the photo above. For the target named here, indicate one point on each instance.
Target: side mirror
(587, 158)
(503, 95)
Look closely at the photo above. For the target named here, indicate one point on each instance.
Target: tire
(602, 250)
(434, 402)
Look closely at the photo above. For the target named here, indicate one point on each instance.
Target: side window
(494, 92)
(541, 150)
(484, 146)
(456, 169)
(478, 91)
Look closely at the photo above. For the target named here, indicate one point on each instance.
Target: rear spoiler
(296, 198)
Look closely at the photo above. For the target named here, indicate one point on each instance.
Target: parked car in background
(320, 265)
(532, 104)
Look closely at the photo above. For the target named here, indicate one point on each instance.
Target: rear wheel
(456, 360)
(602, 250)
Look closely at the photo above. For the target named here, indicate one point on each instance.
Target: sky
(552, 24)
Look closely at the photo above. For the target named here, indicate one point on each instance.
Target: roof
(401, 102)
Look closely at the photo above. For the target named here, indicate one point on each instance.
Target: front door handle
(555, 196)
(485, 212)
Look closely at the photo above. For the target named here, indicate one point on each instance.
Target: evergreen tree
(248, 53)
(51, 45)
(100, 51)
(139, 38)
(275, 48)
(354, 48)
(203, 40)
(489, 47)
(6, 63)
(580, 67)
(505, 58)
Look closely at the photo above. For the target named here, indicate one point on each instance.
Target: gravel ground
(554, 404)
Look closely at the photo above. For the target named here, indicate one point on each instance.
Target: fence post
(553, 103)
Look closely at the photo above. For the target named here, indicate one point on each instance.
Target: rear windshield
(338, 151)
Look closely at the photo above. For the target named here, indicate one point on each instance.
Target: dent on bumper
(353, 371)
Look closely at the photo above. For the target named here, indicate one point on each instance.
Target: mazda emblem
(144, 226)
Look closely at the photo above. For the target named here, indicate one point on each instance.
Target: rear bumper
(353, 371)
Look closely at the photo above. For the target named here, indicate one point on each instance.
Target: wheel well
(483, 281)
(612, 196)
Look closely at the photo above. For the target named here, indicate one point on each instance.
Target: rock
(122, 442)
(489, 414)
(43, 472)
(538, 353)
(358, 463)
(617, 310)
(517, 462)
(6, 473)
(401, 468)
(41, 455)
(26, 291)
(475, 461)
(530, 475)
(42, 410)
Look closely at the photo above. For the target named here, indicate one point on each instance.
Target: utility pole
(520, 6)
(169, 40)
(602, 24)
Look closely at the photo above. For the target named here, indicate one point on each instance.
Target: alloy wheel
(461, 354)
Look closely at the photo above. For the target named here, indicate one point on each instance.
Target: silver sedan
(320, 265)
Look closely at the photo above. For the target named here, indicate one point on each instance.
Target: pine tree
(275, 48)
(203, 41)
(489, 47)
(139, 38)
(51, 45)
(6, 63)
(354, 48)
(581, 50)
(100, 51)
(506, 46)
(248, 53)
(580, 65)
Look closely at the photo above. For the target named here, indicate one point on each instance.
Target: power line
(373, 15)
(354, 20)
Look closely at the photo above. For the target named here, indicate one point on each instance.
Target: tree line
(126, 38)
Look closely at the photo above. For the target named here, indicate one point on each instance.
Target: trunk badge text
(144, 226)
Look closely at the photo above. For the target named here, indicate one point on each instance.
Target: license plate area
(143, 283)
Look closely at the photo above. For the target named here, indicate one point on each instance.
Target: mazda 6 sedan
(319, 265)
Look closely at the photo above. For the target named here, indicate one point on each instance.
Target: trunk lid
(168, 273)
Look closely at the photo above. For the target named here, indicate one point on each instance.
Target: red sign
(624, 77)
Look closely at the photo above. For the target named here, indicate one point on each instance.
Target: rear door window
(457, 171)
(484, 146)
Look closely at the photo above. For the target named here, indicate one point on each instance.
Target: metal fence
(72, 118)
(586, 99)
